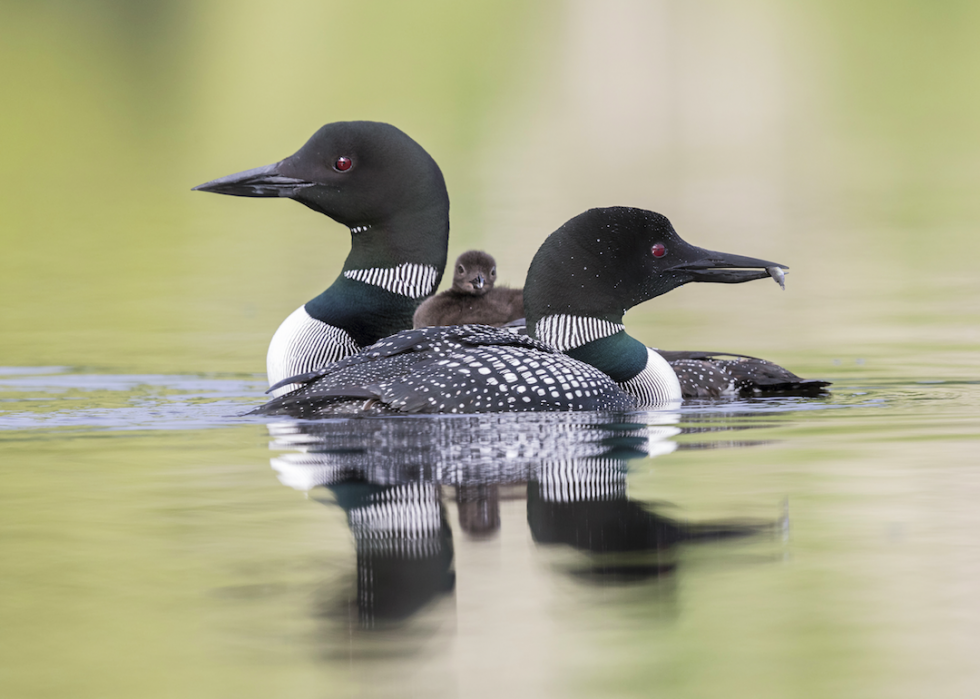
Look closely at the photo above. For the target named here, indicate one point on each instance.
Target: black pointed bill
(724, 268)
(265, 181)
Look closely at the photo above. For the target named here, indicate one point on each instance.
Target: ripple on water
(65, 397)
(62, 397)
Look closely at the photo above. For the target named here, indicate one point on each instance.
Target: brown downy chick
(473, 297)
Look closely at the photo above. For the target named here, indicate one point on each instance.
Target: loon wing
(718, 374)
(458, 369)
(420, 341)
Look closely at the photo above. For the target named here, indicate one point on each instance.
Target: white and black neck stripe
(407, 279)
(565, 332)
(655, 384)
(359, 229)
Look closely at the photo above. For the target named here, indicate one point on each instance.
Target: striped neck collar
(565, 332)
(407, 279)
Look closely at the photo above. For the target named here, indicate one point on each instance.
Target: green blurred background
(839, 138)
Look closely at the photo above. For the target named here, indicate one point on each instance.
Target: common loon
(374, 179)
(577, 355)
(473, 298)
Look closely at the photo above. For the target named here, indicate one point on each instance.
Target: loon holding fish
(577, 354)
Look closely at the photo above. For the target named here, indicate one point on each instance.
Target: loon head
(605, 261)
(359, 173)
(475, 273)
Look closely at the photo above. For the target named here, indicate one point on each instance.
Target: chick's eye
(460, 269)
(342, 164)
(493, 272)
(658, 250)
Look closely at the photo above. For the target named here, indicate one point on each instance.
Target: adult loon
(473, 298)
(577, 355)
(374, 179)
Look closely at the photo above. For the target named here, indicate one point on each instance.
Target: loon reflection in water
(390, 475)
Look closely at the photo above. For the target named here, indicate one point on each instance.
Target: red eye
(343, 164)
(658, 250)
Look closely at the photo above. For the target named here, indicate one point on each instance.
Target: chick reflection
(479, 509)
(583, 504)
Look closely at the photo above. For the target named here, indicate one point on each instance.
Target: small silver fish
(778, 274)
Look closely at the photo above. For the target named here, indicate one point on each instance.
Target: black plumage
(473, 298)
(721, 374)
(458, 369)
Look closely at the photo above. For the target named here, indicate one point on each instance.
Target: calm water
(153, 543)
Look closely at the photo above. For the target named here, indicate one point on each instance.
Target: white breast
(303, 343)
(656, 385)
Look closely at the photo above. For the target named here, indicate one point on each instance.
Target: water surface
(771, 547)
(154, 543)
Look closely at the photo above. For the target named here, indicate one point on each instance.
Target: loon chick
(374, 179)
(578, 356)
(473, 297)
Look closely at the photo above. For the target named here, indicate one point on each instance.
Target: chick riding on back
(473, 298)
